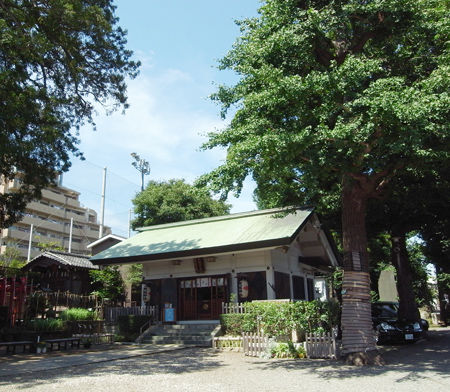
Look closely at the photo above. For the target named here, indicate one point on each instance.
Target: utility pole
(129, 224)
(102, 207)
(141, 166)
(29, 244)
(70, 235)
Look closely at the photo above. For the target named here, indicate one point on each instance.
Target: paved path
(33, 363)
(424, 366)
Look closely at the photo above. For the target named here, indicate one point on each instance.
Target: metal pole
(142, 174)
(29, 243)
(102, 208)
(129, 224)
(70, 235)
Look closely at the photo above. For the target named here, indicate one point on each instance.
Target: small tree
(174, 201)
(45, 246)
(108, 283)
(11, 258)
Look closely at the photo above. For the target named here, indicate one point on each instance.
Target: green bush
(130, 325)
(78, 314)
(236, 323)
(47, 325)
(287, 350)
(280, 318)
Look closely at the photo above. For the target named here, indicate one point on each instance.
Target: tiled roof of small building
(69, 259)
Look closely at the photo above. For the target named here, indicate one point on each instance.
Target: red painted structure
(13, 294)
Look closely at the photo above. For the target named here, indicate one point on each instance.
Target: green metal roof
(252, 230)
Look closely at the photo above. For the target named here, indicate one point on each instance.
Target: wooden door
(201, 298)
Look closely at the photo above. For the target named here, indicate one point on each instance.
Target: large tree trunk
(408, 310)
(443, 295)
(358, 338)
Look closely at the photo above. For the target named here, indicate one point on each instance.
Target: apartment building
(51, 220)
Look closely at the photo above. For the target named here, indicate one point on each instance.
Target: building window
(298, 285)
(282, 285)
(310, 285)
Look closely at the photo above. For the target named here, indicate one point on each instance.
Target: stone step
(188, 334)
(177, 340)
(178, 333)
(189, 327)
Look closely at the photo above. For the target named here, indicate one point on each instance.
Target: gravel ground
(424, 366)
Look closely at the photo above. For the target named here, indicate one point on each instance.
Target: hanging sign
(243, 288)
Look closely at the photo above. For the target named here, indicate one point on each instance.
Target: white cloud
(165, 124)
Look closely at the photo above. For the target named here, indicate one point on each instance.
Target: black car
(389, 329)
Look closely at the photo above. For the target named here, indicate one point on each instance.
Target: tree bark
(408, 310)
(358, 339)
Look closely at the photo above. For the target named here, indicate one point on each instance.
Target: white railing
(254, 344)
(231, 307)
(320, 345)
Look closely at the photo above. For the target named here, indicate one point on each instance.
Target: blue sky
(178, 43)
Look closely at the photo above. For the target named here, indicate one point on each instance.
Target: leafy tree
(171, 201)
(399, 213)
(108, 283)
(418, 262)
(134, 274)
(436, 234)
(336, 97)
(49, 246)
(58, 59)
(174, 201)
(11, 258)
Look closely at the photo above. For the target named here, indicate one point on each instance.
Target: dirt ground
(423, 366)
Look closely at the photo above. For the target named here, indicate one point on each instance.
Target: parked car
(388, 327)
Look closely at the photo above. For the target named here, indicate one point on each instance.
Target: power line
(109, 171)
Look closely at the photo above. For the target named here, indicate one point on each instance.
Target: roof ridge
(221, 218)
(58, 252)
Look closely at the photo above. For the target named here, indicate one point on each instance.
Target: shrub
(280, 318)
(236, 323)
(286, 350)
(79, 314)
(46, 325)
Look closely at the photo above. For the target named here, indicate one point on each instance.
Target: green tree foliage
(174, 201)
(58, 59)
(134, 274)
(108, 283)
(416, 200)
(418, 262)
(336, 98)
(11, 258)
(49, 245)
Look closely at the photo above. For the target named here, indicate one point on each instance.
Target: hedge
(280, 318)
(79, 314)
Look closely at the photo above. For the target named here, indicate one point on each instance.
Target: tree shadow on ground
(174, 362)
(410, 361)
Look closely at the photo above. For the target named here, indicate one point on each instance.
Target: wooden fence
(233, 307)
(254, 344)
(320, 346)
(111, 314)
